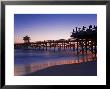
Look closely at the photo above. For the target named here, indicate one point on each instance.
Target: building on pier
(26, 39)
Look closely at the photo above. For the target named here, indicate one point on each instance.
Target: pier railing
(79, 45)
(83, 39)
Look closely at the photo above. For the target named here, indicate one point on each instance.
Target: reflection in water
(31, 61)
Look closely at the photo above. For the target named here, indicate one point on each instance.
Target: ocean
(30, 60)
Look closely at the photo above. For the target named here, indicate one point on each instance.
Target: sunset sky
(49, 26)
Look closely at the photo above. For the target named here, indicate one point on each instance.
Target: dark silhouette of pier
(82, 40)
(86, 38)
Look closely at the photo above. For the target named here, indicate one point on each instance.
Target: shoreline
(23, 69)
(27, 69)
(82, 69)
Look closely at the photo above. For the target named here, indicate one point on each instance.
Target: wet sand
(42, 64)
(80, 69)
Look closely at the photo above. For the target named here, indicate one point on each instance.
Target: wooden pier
(82, 41)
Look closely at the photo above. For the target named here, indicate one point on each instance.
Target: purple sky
(49, 26)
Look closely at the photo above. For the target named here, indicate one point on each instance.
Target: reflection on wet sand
(29, 68)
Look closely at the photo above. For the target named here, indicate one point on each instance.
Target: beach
(29, 62)
(82, 69)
